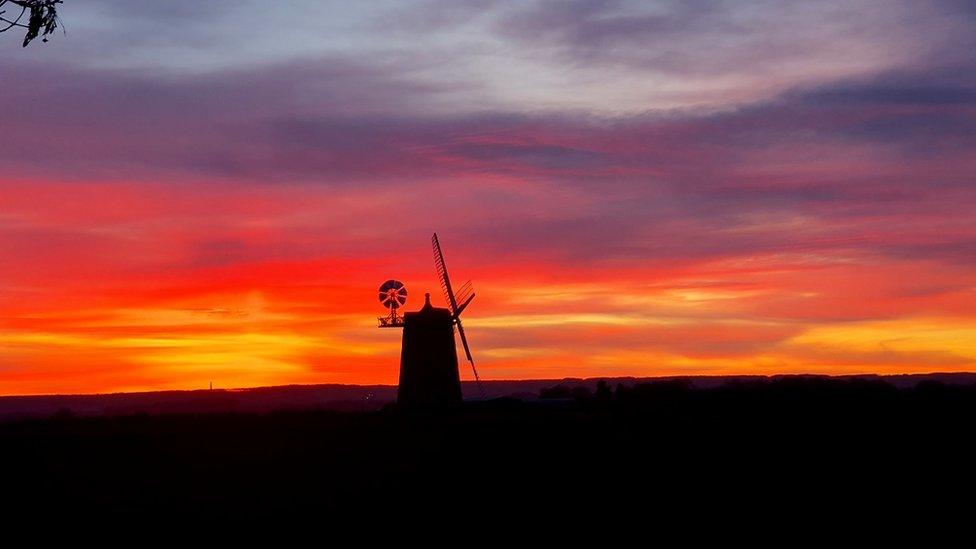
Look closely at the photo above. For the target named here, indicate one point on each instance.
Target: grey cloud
(678, 186)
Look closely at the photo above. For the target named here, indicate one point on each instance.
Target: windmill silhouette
(429, 375)
(393, 294)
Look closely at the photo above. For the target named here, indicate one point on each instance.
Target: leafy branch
(42, 18)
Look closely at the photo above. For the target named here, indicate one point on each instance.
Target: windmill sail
(445, 280)
(466, 294)
(467, 351)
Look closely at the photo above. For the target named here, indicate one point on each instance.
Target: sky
(196, 192)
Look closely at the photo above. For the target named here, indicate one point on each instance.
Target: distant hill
(352, 397)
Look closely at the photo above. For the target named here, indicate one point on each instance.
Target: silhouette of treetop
(39, 17)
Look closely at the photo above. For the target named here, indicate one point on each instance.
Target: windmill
(429, 375)
(393, 294)
(458, 302)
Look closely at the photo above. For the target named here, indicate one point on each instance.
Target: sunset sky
(213, 191)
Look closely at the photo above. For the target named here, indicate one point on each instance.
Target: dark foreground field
(780, 448)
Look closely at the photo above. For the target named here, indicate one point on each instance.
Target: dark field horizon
(370, 397)
(661, 449)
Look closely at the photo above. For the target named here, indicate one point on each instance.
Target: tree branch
(43, 18)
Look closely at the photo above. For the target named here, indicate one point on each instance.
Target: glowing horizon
(634, 188)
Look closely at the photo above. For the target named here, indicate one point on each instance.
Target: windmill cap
(428, 308)
(430, 313)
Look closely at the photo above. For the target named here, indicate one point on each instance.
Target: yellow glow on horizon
(560, 319)
(925, 335)
(250, 339)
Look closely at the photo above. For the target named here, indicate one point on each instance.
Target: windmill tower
(428, 356)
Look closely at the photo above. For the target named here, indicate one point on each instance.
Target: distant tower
(428, 360)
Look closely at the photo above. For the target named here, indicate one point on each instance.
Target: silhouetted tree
(558, 391)
(38, 17)
(581, 393)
